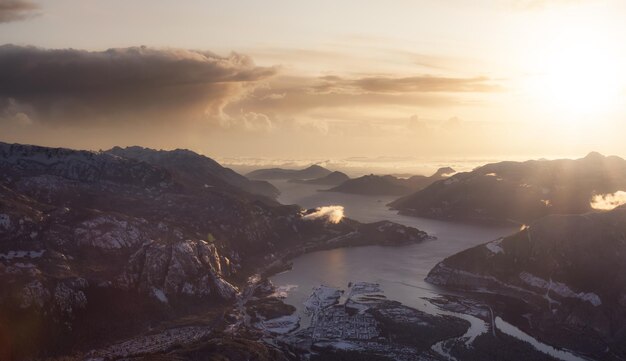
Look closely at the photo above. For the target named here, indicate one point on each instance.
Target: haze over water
(400, 270)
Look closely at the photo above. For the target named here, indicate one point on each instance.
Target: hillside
(390, 185)
(332, 179)
(568, 269)
(311, 172)
(196, 170)
(95, 246)
(519, 191)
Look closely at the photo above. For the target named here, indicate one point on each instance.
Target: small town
(336, 323)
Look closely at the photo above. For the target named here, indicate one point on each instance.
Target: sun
(576, 73)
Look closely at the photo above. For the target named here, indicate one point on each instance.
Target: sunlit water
(399, 270)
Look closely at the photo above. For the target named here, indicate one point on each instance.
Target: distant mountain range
(311, 172)
(568, 271)
(390, 185)
(332, 179)
(519, 191)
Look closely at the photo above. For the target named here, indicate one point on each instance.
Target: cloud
(301, 94)
(422, 84)
(248, 121)
(540, 4)
(332, 214)
(125, 85)
(609, 201)
(413, 84)
(14, 10)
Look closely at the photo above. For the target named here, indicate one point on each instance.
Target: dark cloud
(137, 84)
(414, 84)
(14, 10)
(301, 94)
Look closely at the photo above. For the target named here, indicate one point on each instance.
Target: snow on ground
(560, 354)
(283, 291)
(339, 345)
(159, 294)
(559, 288)
(322, 297)
(495, 246)
(282, 325)
(364, 288)
(108, 232)
(21, 254)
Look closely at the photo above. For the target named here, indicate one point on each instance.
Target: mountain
(390, 185)
(197, 170)
(570, 272)
(96, 247)
(311, 172)
(332, 179)
(519, 191)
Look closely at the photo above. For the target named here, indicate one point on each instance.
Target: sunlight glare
(577, 73)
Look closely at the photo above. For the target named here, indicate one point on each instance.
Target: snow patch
(282, 325)
(159, 294)
(495, 246)
(322, 297)
(559, 288)
(283, 291)
(22, 254)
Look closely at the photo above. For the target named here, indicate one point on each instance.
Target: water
(399, 270)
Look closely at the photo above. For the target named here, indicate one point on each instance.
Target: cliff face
(569, 270)
(84, 234)
(519, 191)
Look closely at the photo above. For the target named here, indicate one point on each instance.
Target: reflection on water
(399, 270)
(511, 330)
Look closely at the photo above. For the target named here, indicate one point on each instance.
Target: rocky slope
(332, 179)
(311, 172)
(196, 170)
(519, 191)
(94, 245)
(390, 185)
(570, 271)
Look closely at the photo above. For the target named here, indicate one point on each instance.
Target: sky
(317, 79)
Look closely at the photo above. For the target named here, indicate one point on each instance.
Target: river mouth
(399, 270)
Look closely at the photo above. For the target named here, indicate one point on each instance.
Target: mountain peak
(444, 171)
(594, 156)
